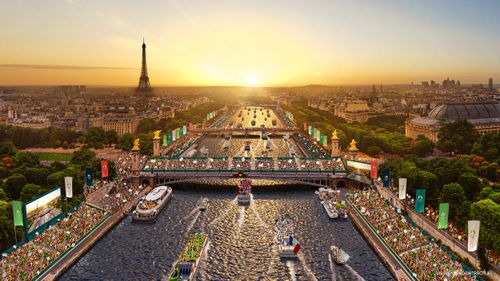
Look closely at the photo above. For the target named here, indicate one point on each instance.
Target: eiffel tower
(144, 85)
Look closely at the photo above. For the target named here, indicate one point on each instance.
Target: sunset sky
(253, 43)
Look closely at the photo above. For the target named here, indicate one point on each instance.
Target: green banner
(17, 211)
(169, 138)
(443, 215)
(164, 140)
(324, 140)
(420, 200)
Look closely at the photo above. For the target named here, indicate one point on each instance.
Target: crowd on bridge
(30, 259)
(244, 163)
(314, 149)
(418, 251)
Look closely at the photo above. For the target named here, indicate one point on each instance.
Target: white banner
(473, 235)
(68, 184)
(402, 188)
(173, 135)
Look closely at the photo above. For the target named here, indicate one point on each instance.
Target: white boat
(338, 255)
(203, 204)
(334, 208)
(148, 208)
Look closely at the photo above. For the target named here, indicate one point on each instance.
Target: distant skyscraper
(490, 84)
(144, 85)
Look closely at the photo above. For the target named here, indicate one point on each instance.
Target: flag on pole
(169, 138)
(324, 140)
(104, 168)
(184, 130)
(443, 215)
(386, 180)
(165, 143)
(420, 200)
(402, 188)
(190, 126)
(89, 178)
(373, 169)
(318, 135)
(472, 235)
(305, 127)
(17, 211)
(68, 186)
(174, 135)
(309, 129)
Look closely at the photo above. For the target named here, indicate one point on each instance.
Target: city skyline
(193, 43)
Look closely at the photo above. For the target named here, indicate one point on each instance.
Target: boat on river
(339, 256)
(187, 265)
(244, 192)
(334, 207)
(288, 246)
(150, 206)
(203, 205)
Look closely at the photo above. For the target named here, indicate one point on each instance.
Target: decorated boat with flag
(149, 207)
(188, 262)
(244, 192)
(288, 246)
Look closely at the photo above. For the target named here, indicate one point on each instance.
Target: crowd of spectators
(264, 164)
(244, 163)
(314, 149)
(30, 259)
(420, 253)
(241, 163)
(176, 148)
(116, 194)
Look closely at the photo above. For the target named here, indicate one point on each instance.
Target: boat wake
(240, 219)
(203, 263)
(332, 268)
(291, 269)
(354, 273)
(194, 211)
(306, 268)
(231, 204)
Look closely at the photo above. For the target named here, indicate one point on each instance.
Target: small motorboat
(339, 256)
(203, 204)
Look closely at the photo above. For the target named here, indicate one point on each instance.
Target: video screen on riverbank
(359, 171)
(43, 209)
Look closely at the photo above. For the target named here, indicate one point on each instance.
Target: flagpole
(15, 234)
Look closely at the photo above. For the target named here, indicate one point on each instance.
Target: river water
(241, 245)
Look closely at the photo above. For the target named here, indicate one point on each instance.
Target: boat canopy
(156, 193)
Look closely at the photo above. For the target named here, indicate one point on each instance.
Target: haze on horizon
(261, 42)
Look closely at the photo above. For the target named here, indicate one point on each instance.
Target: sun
(252, 80)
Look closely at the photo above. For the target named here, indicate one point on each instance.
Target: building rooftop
(468, 111)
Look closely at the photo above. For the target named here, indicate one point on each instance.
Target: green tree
(146, 144)
(125, 142)
(374, 150)
(146, 125)
(6, 226)
(3, 172)
(457, 137)
(57, 166)
(7, 148)
(27, 159)
(488, 146)
(488, 212)
(14, 185)
(30, 191)
(56, 179)
(454, 194)
(37, 175)
(422, 146)
(82, 157)
(485, 193)
(470, 183)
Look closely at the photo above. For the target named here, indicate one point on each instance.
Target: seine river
(241, 243)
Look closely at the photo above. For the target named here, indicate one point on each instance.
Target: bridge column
(156, 147)
(135, 161)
